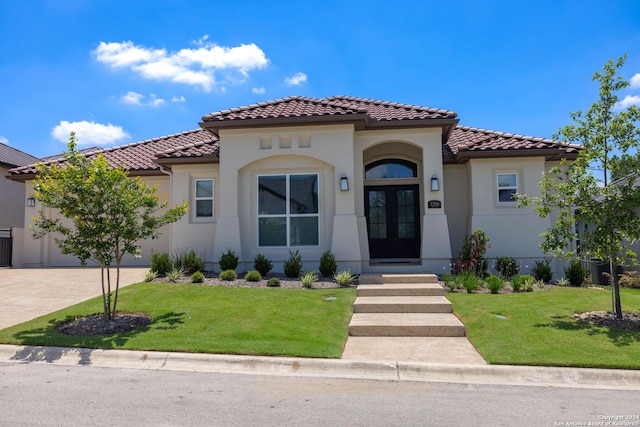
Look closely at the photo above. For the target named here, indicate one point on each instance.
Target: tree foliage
(605, 209)
(105, 213)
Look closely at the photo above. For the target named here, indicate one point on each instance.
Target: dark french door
(393, 221)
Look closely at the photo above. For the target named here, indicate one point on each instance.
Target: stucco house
(386, 187)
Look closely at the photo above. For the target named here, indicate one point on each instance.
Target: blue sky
(123, 71)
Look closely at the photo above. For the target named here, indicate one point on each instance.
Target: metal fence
(6, 246)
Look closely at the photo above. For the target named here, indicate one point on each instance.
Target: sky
(117, 72)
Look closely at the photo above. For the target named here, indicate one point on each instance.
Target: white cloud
(4, 140)
(89, 133)
(296, 80)
(178, 99)
(138, 99)
(635, 81)
(258, 90)
(132, 98)
(195, 67)
(627, 102)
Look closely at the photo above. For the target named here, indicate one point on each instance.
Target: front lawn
(537, 328)
(211, 319)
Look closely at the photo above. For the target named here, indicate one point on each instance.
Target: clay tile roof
(293, 106)
(369, 112)
(387, 111)
(11, 157)
(138, 157)
(471, 141)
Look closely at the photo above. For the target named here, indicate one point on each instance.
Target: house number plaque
(434, 204)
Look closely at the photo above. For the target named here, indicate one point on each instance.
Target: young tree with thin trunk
(106, 214)
(609, 137)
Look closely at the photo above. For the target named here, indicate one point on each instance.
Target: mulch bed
(96, 325)
(630, 320)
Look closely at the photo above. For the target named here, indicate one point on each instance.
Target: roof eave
(194, 160)
(549, 154)
(358, 120)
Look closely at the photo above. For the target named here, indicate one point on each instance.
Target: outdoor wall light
(435, 185)
(31, 202)
(344, 183)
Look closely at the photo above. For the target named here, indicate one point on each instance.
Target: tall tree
(609, 137)
(106, 214)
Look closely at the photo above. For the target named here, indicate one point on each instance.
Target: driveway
(27, 293)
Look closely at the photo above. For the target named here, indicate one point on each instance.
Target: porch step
(400, 289)
(376, 279)
(402, 304)
(406, 325)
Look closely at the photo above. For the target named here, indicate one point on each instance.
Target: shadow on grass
(48, 345)
(618, 337)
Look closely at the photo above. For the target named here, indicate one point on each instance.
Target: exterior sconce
(31, 202)
(435, 185)
(344, 183)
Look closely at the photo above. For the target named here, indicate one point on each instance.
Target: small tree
(608, 208)
(107, 213)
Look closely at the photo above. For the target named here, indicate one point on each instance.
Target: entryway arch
(392, 195)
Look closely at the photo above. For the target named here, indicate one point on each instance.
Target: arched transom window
(391, 168)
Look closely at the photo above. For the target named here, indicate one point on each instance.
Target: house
(384, 186)
(12, 208)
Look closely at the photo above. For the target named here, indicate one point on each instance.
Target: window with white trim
(507, 187)
(288, 213)
(203, 197)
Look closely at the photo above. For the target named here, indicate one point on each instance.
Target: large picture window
(288, 210)
(204, 198)
(507, 187)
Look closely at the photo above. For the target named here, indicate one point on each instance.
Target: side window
(203, 198)
(507, 187)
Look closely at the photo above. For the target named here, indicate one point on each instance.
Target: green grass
(288, 322)
(539, 328)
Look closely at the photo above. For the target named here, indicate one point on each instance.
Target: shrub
(197, 277)
(161, 263)
(469, 281)
(471, 257)
(189, 262)
(273, 282)
(542, 270)
(228, 275)
(630, 279)
(293, 266)
(343, 278)
(150, 276)
(495, 284)
(450, 282)
(262, 264)
(228, 260)
(507, 266)
(562, 282)
(308, 278)
(174, 275)
(328, 266)
(253, 276)
(575, 273)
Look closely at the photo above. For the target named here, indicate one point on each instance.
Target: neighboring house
(12, 193)
(12, 205)
(384, 186)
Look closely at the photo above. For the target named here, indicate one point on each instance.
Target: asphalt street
(49, 394)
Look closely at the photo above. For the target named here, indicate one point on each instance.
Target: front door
(393, 214)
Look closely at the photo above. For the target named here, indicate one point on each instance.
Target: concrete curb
(326, 368)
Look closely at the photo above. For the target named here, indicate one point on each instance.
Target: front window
(204, 198)
(507, 187)
(288, 210)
